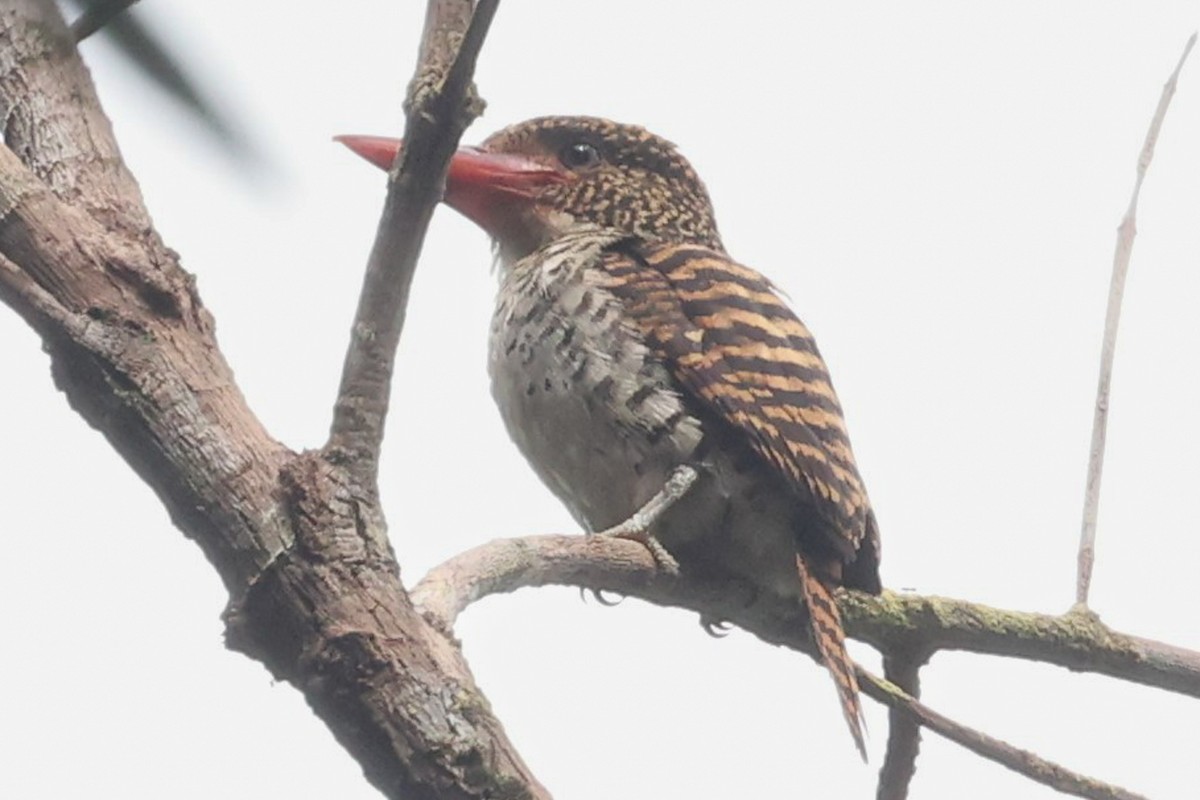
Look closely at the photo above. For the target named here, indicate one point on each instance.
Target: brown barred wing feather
(737, 347)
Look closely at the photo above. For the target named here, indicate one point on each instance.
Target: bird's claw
(716, 628)
(598, 596)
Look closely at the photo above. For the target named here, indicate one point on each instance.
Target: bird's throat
(532, 229)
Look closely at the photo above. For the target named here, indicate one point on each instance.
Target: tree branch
(299, 543)
(1029, 764)
(1112, 319)
(441, 105)
(74, 154)
(1076, 640)
(891, 622)
(904, 729)
(913, 626)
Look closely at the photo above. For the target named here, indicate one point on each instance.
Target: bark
(297, 537)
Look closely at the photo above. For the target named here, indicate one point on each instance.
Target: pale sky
(937, 187)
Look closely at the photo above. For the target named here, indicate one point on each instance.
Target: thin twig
(439, 112)
(1026, 763)
(458, 77)
(904, 730)
(1112, 318)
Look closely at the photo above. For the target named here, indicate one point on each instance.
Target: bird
(627, 343)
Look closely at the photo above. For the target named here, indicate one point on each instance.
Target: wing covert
(735, 346)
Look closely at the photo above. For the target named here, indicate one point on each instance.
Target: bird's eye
(579, 155)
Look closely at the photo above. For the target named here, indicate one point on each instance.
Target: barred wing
(738, 349)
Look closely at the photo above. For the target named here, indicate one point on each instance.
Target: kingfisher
(626, 343)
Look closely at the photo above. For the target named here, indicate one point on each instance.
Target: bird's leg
(637, 527)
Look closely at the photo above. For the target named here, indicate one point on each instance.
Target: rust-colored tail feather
(830, 639)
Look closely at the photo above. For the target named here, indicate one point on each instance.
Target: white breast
(597, 416)
(585, 401)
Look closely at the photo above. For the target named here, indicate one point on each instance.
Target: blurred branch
(1112, 319)
(904, 728)
(134, 39)
(96, 14)
(1024, 762)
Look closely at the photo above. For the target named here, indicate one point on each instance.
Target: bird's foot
(637, 527)
(662, 559)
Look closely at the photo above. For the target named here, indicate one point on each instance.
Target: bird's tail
(831, 643)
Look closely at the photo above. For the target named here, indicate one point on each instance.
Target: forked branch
(297, 538)
(893, 623)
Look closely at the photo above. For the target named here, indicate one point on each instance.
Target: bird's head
(531, 182)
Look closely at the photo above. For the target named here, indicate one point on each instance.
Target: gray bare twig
(1028, 764)
(1112, 319)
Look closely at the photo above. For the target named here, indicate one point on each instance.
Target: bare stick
(904, 730)
(440, 109)
(1028, 764)
(1112, 318)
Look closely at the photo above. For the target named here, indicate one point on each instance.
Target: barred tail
(831, 643)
